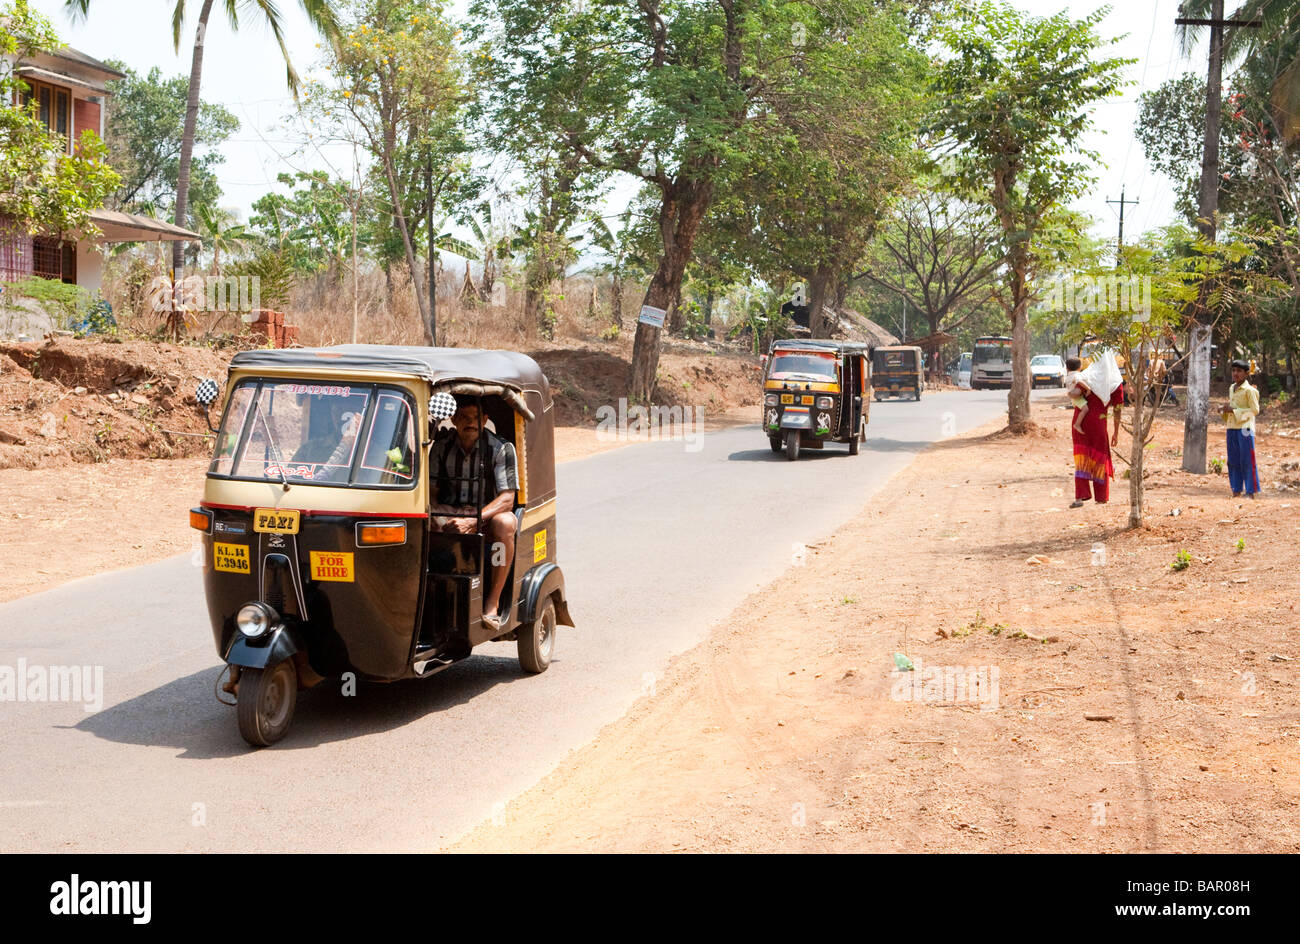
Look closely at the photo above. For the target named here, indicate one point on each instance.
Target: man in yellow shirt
(1239, 415)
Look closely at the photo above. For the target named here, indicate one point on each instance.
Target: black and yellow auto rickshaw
(815, 392)
(897, 370)
(323, 553)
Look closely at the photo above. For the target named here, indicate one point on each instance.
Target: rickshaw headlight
(254, 619)
(769, 400)
(825, 403)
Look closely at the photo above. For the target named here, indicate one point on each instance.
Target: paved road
(657, 543)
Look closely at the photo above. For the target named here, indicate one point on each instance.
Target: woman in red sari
(1093, 469)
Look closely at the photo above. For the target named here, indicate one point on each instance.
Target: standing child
(1239, 415)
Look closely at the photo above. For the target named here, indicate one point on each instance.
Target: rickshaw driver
(461, 482)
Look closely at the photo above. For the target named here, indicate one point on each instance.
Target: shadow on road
(185, 714)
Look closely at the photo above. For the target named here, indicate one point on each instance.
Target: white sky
(244, 72)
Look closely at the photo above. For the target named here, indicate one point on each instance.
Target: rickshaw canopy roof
(437, 365)
(832, 346)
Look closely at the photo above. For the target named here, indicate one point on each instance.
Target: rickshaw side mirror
(205, 396)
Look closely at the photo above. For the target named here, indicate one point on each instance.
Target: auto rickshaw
(815, 392)
(325, 548)
(897, 370)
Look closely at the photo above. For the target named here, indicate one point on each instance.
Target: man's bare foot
(492, 619)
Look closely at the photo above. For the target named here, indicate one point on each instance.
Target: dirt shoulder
(790, 729)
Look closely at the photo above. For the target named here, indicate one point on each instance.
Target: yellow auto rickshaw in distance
(897, 370)
(814, 392)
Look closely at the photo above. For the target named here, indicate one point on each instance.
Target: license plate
(231, 558)
(332, 565)
(275, 521)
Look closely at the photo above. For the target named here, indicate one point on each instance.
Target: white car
(1048, 370)
(961, 371)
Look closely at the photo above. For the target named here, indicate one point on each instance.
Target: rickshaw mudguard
(248, 653)
(540, 583)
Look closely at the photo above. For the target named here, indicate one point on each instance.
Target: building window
(53, 108)
(47, 258)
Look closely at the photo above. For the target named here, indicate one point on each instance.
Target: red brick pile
(270, 324)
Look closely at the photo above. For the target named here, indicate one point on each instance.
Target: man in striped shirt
(471, 473)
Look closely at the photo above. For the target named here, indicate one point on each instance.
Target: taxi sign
(276, 520)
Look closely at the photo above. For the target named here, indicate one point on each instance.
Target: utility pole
(1119, 247)
(1198, 362)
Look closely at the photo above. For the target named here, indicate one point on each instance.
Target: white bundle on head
(1102, 376)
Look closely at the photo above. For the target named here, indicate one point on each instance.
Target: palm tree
(221, 232)
(320, 13)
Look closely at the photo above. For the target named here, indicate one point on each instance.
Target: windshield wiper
(275, 450)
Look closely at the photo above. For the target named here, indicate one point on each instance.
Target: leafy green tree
(144, 129)
(667, 91)
(840, 142)
(319, 13)
(1014, 100)
(311, 224)
(1171, 130)
(396, 86)
(43, 188)
(939, 253)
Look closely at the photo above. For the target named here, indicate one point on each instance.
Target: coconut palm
(221, 231)
(319, 12)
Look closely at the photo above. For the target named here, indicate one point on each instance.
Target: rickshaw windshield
(802, 366)
(317, 433)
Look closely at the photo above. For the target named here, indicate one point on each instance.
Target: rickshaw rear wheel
(265, 703)
(537, 640)
(792, 444)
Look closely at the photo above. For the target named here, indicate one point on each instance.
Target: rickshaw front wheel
(855, 443)
(792, 444)
(537, 640)
(265, 703)
(775, 443)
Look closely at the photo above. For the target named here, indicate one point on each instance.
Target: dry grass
(387, 312)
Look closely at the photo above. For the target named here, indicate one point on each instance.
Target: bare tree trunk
(1138, 378)
(187, 136)
(356, 272)
(616, 299)
(432, 273)
(395, 195)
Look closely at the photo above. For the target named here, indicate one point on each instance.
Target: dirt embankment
(710, 378)
(1063, 687)
(90, 400)
(72, 400)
